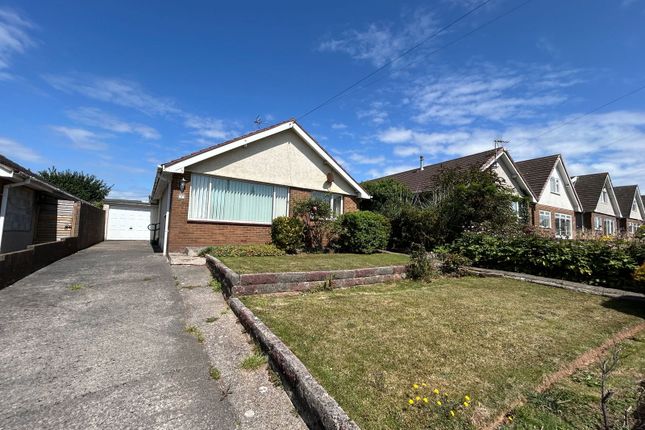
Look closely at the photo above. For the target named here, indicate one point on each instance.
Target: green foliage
(639, 274)
(453, 264)
(597, 262)
(215, 285)
(420, 266)
(215, 373)
(195, 331)
(242, 251)
(287, 233)
(316, 216)
(640, 233)
(362, 232)
(82, 185)
(255, 360)
(388, 197)
(462, 201)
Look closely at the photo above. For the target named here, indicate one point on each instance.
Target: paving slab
(97, 340)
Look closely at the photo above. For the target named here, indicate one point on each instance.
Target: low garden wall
(265, 283)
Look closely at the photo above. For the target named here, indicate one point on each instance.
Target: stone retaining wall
(265, 283)
(317, 408)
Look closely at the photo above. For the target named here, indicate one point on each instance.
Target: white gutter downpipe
(167, 222)
(3, 205)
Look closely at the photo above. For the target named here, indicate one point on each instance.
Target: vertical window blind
(219, 199)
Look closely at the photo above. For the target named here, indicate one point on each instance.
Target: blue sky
(115, 88)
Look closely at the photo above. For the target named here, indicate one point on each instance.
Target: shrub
(414, 225)
(388, 197)
(362, 232)
(242, 251)
(420, 266)
(608, 263)
(316, 216)
(287, 233)
(453, 264)
(639, 274)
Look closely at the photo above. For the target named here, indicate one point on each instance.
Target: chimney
(420, 162)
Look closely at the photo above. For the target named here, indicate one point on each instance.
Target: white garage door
(128, 223)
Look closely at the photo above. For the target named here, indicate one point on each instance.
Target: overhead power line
(397, 58)
(594, 110)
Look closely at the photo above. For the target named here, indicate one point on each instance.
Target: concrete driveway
(97, 340)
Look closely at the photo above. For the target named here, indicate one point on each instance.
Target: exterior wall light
(182, 185)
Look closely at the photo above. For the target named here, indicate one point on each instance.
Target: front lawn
(492, 339)
(312, 262)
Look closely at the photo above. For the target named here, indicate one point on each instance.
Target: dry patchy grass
(494, 339)
(312, 262)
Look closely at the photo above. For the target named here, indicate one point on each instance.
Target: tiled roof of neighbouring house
(625, 196)
(589, 188)
(536, 171)
(18, 168)
(421, 180)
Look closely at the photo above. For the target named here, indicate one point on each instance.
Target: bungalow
(229, 193)
(631, 207)
(425, 178)
(600, 208)
(557, 200)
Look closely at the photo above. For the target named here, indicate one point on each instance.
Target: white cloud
(14, 39)
(489, 93)
(376, 113)
(14, 150)
(81, 138)
(390, 169)
(339, 126)
(97, 118)
(114, 90)
(359, 158)
(209, 128)
(381, 42)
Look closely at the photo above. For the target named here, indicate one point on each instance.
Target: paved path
(110, 352)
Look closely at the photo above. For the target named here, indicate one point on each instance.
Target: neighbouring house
(425, 178)
(631, 208)
(600, 209)
(40, 223)
(554, 213)
(230, 193)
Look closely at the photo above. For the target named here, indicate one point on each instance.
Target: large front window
(545, 219)
(563, 226)
(335, 201)
(230, 200)
(610, 226)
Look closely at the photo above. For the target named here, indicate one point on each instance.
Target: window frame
(605, 195)
(545, 213)
(634, 205)
(554, 185)
(565, 217)
(598, 223)
(610, 222)
(331, 201)
(228, 221)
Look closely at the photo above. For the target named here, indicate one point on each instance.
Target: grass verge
(312, 262)
(491, 339)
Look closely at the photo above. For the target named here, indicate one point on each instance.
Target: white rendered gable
(562, 199)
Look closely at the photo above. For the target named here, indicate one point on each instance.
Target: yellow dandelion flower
(466, 404)
(425, 400)
(418, 398)
(438, 402)
(424, 384)
(510, 419)
(411, 402)
(467, 398)
(436, 391)
(415, 386)
(452, 413)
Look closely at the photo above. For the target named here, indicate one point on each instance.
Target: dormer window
(554, 183)
(605, 195)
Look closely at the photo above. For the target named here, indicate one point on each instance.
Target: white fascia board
(517, 176)
(612, 196)
(179, 167)
(5, 172)
(577, 204)
(639, 202)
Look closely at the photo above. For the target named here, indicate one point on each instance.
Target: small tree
(388, 197)
(316, 215)
(82, 185)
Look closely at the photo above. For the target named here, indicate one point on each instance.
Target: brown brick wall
(589, 222)
(183, 233)
(551, 231)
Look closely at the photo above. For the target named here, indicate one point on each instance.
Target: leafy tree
(388, 197)
(82, 185)
(316, 216)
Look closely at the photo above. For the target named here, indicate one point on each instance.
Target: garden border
(317, 408)
(558, 283)
(235, 284)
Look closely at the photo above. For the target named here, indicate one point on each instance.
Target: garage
(128, 220)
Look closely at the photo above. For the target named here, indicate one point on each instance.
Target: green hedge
(288, 234)
(362, 232)
(610, 263)
(242, 251)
